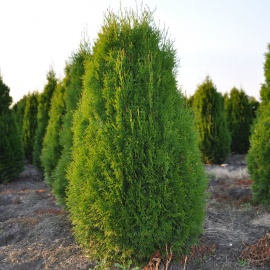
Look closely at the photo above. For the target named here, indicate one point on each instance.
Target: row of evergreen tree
(121, 148)
(223, 121)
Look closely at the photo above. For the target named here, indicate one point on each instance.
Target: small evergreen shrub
(136, 181)
(11, 146)
(239, 117)
(51, 149)
(43, 116)
(214, 136)
(29, 125)
(18, 110)
(74, 77)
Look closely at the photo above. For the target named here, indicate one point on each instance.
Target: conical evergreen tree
(136, 180)
(51, 149)
(18, 110)
(214, 136)
(239, 117)
(30, 124)
(74, 77)
(254, 105)
(11, 147)
(43, 116)
(258, 158)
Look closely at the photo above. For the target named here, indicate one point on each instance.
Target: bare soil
(35, 232)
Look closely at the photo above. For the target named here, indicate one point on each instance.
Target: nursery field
(35, 232)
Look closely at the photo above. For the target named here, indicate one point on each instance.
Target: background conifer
(11, 146)
(214, 136)
(239, 117)
(43, 116)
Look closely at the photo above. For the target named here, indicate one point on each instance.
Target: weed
(127, 267)
(100, 265)
(242, 262)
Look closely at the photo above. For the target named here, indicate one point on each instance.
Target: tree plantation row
(123, 149)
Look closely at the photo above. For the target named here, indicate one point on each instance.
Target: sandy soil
(35, 232)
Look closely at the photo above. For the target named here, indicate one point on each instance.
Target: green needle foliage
(258, 158)
(214, 136)
(11, 146)
(51, 149)
(74, 84)
(18, 110)
(43, 116)
(239, 117)
(136, 182)
(29, 126)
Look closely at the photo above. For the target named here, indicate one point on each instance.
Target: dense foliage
(18, 110)
(74, 84)
(136, 182)
(29, 125)
(51, 149)
(11, 147)
(43, 116)
(239, 117)
(258, 158)
(214, 136)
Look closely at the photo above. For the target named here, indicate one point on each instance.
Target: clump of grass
(222, 172)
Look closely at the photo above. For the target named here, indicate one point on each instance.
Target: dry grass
(226, 172)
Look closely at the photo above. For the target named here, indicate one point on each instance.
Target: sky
(223, 39)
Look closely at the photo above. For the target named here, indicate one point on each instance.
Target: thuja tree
(239, 117)
(11, 147)
(136, 182)
(214, 136)
(74, 83)
(18, 110)
(29, 126)
(43, 116)
(258, 157)
(254, 105)
(51, 148)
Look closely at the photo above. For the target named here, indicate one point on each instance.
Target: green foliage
(51, 149)
(214, 136)
(254, 105)
(136, 182)
(239, 117)
(18, 110)
(258, 158)
(43, 116)
(11, 147)
(74, 75)
(6, 99)
(30, 124)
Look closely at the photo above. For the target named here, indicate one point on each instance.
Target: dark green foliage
(214, 136)
(258, 158)
(136, 181)
(18, 110)
(254, 105)
(29, 126)
(74, 75)
(43, 116)
(11, 147)
(6, 99)
(51, 149)
(239, 117)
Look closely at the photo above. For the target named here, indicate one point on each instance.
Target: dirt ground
(35, 232)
